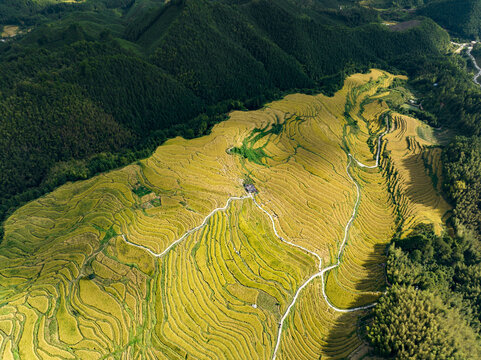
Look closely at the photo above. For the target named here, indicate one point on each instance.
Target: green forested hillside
(462, 17)
(149, 71)
(434, 298)
(91, 85)
(32, 12)
(462, 169)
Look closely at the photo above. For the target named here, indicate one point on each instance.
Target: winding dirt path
(321, 271)
(341, 248)
(158, 255)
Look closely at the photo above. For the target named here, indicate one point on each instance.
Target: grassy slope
(71, 285)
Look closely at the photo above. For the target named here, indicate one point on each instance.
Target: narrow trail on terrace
(341, 248)
(321, 271)
(158, 255)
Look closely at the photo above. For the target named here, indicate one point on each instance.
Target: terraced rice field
(10, 30)
(416, 187)
(169, 258)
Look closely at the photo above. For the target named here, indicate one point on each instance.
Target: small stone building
(250, 188)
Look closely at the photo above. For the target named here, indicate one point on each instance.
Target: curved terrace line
(341, 248)
(321, 271)
(158, 255)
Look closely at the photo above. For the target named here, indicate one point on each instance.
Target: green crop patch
(269, 303)
(258, 154)
(141, 190)
(108, 235)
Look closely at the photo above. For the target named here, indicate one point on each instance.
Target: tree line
(78, 98)
(72, 90)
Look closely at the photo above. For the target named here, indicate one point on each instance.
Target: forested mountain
(147, 71)
(31, 12)
(462, 17)
(91, 85)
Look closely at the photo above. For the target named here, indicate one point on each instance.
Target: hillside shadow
(424, 193)
(364, 290)
(343, 332)
(374, 266)
(437, 137)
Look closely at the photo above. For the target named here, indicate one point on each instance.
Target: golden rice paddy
(79, 278)
(10, 30)
(414, 169)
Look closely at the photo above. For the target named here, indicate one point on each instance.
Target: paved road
(475, 78)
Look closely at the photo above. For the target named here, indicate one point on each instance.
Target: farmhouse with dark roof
(250, 188)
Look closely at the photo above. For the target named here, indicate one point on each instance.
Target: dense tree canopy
(149, 71)
(432, 310)
(462, 169)
(463, 17)
(414, 324)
